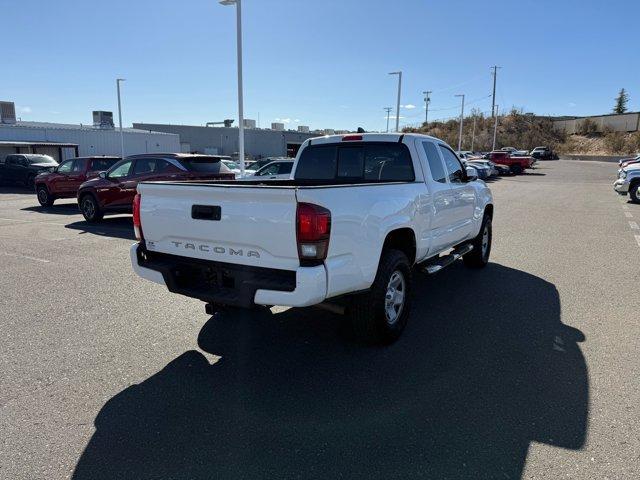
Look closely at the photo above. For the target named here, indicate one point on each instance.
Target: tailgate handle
(205, 212)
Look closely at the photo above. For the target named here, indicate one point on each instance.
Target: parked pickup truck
(516, 164)
(24, 167)
(64, 181)
(359, 212)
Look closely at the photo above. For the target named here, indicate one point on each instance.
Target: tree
(621, 102)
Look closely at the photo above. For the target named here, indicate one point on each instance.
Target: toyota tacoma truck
(360, 214)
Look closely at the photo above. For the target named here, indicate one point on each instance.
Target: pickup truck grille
(215, 282)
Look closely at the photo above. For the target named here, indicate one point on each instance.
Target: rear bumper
(231, 284)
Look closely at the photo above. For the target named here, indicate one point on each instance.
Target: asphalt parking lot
(526, 369)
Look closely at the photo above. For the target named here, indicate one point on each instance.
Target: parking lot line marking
(638, 239)
(17, 255)
(628, 214)
(625, 207)
(634, 225)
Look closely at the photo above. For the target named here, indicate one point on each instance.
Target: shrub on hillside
(615, 142)
(587, 127)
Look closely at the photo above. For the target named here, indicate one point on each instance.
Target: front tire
(380, 316)
(90, 209)
(516, 169)
(44, 197)
(479, 256)
(633, 192)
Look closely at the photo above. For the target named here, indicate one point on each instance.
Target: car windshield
(41, 159)
(203, 164)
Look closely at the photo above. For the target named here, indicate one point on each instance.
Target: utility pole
(495, 129)
(426, 109)
(493, 101)
(473, 134)
(118, 80)
(388, 110)
(461, 121)
(398, 104)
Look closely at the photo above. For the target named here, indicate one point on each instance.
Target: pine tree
(621, 102)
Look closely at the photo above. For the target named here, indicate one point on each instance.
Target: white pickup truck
(359, 212)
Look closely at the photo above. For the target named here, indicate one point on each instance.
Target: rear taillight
(137, 226)
(313, 229)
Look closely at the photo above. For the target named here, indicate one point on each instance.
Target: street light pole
(426, 110)
(388, 110)
(473, 134)
(461, 121)
(118, 80)
(238, 4)
(495, 127)
(398, 103)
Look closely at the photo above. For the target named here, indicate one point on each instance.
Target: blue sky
(318, 63)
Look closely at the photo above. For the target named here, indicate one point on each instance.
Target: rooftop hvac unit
(277, 126)
(303, 129)
(102, 119)
(7, 112)
(249, 123)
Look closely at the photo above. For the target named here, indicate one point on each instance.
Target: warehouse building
(62, 141)
(258, 143)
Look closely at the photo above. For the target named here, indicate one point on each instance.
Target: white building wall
(95, 141)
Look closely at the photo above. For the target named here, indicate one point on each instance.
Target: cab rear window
(367, 162)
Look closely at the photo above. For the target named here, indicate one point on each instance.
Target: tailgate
(245, 225)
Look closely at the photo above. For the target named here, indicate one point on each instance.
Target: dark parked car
(67, 177)
(113, 191)
(24, 167)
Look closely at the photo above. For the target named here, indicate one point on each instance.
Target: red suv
(113, 191)
(66, 178)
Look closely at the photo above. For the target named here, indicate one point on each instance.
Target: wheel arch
(403, 239)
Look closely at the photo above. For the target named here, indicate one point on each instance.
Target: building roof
(71, 126)
(10, 143)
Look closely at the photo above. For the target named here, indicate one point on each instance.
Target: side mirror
(472, 174)
(102, 174)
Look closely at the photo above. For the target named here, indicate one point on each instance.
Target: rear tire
(516, 169)
(479, 256)
(380, 315)
(44, 197)
(633, 192)
(90, 209)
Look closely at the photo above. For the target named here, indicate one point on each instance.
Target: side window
(350, 162)
(66, 167)
(120, 170)
(144, 165)
(453, 165)
(23, 161)
(101, 164)
(317, 163)
(10, 160)
(163, 166)
(285, 168)
(435, 163)
(269, 170)
(79, 165)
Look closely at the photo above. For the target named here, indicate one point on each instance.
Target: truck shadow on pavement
(117, 227)
(484, 368)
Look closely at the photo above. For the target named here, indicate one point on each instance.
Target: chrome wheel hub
(42, 195)
(87, 208)
(485, 241)
(394, 298)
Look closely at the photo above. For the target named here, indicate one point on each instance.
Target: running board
(437, 264)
